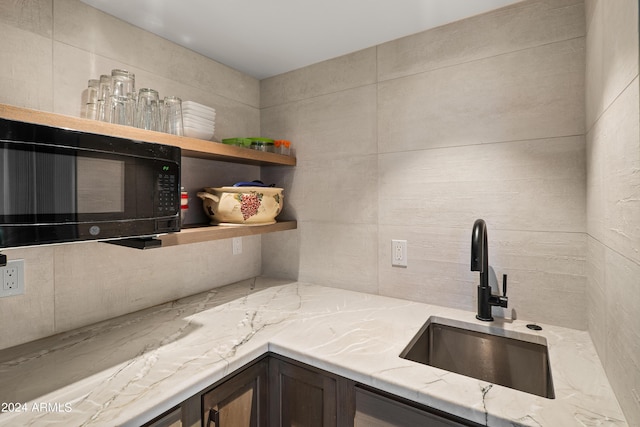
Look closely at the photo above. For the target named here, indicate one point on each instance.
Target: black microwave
(60, 185)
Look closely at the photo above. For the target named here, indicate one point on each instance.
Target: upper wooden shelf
(191, 147)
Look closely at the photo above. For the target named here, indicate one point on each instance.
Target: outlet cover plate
(12, 278)
(399, 253)
(237, 245)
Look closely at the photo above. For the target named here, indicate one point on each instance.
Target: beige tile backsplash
(531, 93)
(36, 18)
(27, 79)
(97, 280)
(524, 185)
(335, 125)
(613, 195)
(334, 75)
(31, 315)
(524, 25)
(622, 174)
(343, 255)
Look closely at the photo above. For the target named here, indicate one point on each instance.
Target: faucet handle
(503, 300)
(504, 285)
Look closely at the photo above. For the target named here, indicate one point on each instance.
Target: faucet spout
(480, 251)
(480, 263)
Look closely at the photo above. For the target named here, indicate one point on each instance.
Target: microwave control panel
(168, 194)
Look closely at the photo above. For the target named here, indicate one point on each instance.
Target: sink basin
(520, 363)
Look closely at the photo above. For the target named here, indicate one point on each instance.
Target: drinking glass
(90, 110)
(172, 116)
(92, 91)
(148, 111)
(104, 94)
(123, 82)
(120, 111)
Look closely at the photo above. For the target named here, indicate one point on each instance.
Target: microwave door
(42, 185)
(56, 174)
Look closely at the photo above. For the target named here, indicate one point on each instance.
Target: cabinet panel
(375, 410)
(280, 392)
(171, 419)
(302, 397)
(241, 401)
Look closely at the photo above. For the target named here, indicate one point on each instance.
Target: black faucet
(480, 262)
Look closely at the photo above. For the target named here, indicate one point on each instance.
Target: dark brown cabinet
(275, 391)
(279, 392)
(305, 396)
(241, 401)
(172, 418)
(374, 409)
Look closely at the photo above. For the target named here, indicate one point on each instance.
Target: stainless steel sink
(510, 362)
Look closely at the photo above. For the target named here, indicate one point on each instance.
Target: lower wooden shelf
(218, 232)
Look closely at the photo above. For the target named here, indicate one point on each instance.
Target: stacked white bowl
(199, 120)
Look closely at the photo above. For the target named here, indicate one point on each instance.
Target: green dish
(264, 140)
(240, 142)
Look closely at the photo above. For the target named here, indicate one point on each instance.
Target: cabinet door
(240, 401)
(301, 397)
(375, 410)
(171, 419)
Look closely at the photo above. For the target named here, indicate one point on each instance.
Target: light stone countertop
(127, 370)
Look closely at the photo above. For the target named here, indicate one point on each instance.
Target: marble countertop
(128, 370)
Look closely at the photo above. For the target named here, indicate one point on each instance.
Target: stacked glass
(114, 99)
(121, 99)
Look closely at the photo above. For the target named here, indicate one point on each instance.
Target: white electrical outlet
(399, 253)
(237, 245)
(12, 278)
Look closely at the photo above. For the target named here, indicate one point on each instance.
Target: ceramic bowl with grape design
(242, 205)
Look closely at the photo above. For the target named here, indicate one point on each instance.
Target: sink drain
(534, 327)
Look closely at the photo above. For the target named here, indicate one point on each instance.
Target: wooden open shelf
(217, 232)
(191, 147)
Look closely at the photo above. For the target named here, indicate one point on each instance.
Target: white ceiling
(263, 38)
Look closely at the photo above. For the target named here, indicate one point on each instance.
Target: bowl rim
(243, 189)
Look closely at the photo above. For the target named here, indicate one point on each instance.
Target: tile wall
(49, 49)
(480, 118)
(416, 138)
(413, 139)
(613, 195)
